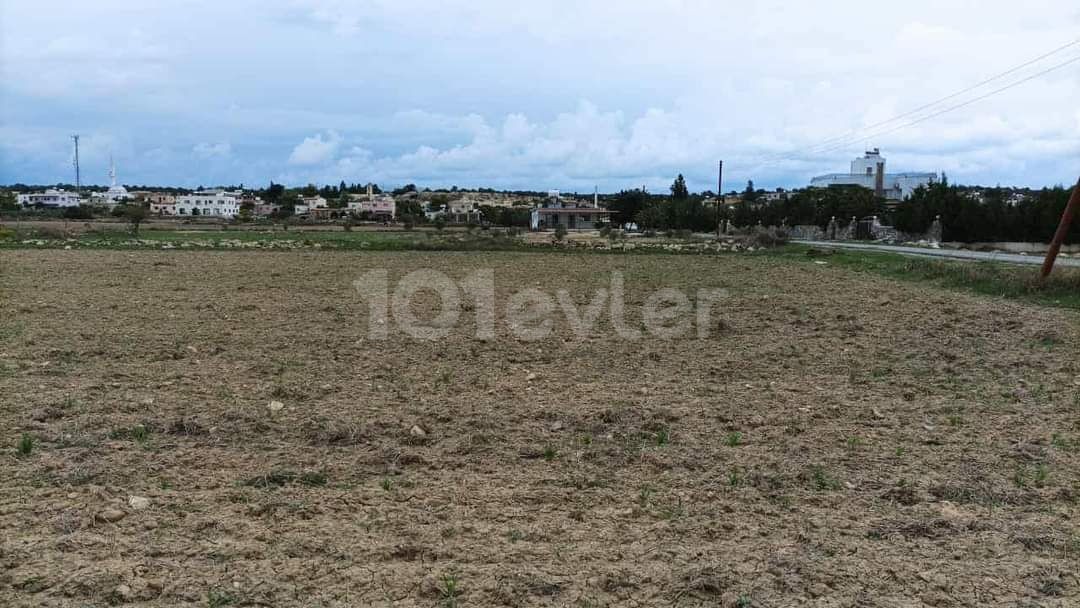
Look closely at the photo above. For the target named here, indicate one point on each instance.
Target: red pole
(1063, 229)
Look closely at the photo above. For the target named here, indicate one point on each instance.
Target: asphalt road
(956, 254)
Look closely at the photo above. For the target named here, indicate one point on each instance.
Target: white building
(115, 194)
(307, 204)
(869, 172)
(50, 198)
(213, 203)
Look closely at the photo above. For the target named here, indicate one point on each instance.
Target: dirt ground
(839, 440)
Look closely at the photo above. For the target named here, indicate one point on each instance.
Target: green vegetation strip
(1011, 281)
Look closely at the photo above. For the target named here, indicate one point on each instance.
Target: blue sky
(533, 95)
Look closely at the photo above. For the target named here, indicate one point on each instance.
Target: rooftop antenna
(78, 181)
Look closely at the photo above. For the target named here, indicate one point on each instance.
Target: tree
(651, 218)
(286, 205)
(274, 193)
(135, 214)
(678, 189)
(439, 222)
(340, 202)
(626, 205)
(489, 214)
(514, 216)
(750, 195)
(247, 211)
(410, 212)
(82, 212)
(8, 201)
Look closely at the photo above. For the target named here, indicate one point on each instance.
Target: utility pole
(1063, 229)
(78, 180)
(719, 196)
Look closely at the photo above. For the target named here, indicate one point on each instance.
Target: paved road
(959, 254)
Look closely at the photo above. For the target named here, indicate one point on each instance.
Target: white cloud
(315, 150)
(208, 150)
(485, 92)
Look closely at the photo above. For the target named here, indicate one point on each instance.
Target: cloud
(315, 150)
(207, 151)
(564, 93)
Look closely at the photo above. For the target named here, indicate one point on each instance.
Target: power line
(927, 106)
(855, 135)
(963, 104)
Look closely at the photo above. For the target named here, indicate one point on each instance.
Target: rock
(416, 431)
(530, 377)
(138, 503)
(275, 407)
(111, 515)
(122, 592)
(557, 426)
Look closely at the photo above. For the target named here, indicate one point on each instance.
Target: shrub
(759, 236)
(560, 232)
(26, 445)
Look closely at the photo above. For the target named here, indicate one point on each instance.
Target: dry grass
(844, 440)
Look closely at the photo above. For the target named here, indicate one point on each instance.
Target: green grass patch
(201, 239)
(1011, 281)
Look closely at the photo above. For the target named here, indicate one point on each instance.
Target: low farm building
(556, 211)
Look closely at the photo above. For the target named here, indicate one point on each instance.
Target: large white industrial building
(868, 171)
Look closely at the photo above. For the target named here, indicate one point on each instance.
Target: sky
(560, 94)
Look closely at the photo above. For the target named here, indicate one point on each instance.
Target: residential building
(558, 211)
(310, 205)
(775, 196)
(158, 203)
(164, 207)
(213, 203)
(380, 207)
(49, 198)
(149, 197)
(869, 172)
(265, 209)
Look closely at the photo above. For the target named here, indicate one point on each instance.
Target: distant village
(455, 206)
(867, 193)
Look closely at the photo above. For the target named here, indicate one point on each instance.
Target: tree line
(967, 214)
